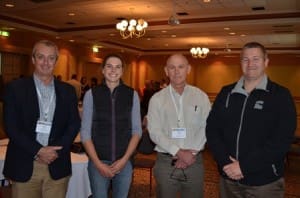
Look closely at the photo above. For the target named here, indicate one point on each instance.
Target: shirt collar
(175, 92)
(39, 83)
(239, 87)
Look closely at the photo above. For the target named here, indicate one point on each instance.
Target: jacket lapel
(32, 100)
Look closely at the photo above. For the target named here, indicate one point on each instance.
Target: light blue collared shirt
(47, 100)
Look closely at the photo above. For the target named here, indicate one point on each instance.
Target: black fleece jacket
(256, 129)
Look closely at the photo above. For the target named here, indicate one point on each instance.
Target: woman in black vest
(111, 130)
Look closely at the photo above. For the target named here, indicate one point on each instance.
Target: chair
(145, 161)
(145, 155)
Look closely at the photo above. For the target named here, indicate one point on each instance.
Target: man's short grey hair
(47, 43)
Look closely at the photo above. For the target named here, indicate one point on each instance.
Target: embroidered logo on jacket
(259, 104)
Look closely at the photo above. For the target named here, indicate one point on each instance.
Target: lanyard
(45, 107)
(180, 111)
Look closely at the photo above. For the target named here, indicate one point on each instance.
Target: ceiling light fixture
(198, 52)
(9, 5)
(132, 28)
(173, 19)
(227, 48)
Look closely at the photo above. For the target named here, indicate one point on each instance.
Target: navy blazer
(21, 112)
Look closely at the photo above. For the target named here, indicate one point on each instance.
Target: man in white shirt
(176, 122)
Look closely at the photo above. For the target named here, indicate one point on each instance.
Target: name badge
(43, 127)
(179, 133)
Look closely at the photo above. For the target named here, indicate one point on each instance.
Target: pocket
(193, 115)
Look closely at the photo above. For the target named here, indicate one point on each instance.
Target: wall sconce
(95, 49)
(4, 33)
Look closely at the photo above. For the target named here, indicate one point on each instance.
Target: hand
(233, 169)
(118, 165)
(186, 156)
(105, 170)
(48, 154)
(40, 161)
(180, 164)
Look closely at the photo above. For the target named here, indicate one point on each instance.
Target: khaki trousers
(40, 185)
(171, 182)
(231, 189)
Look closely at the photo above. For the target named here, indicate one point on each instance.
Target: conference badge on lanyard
(178, 133)
(43, 127)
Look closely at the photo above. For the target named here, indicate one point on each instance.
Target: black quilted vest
(111, 124)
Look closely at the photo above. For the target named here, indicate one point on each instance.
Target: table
(79, 184)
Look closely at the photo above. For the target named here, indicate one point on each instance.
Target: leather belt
(166, 154)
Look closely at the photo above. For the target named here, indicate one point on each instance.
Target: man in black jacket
(41, 120)
(249, 130)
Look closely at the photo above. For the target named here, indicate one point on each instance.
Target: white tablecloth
(79, 185)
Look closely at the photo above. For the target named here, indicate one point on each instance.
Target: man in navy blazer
(41, 120)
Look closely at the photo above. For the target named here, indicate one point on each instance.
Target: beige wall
(210, 74)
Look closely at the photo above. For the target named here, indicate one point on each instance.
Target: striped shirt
(46, 98)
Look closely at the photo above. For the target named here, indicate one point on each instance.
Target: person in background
(147, 93)
(1, 88)
(84, 87)
(94, 82)
(111, 130)
(76, 84)
(163, 83)
(41, 121)
(156, 86)
(59, 77)
(250, 129)
(176, 123)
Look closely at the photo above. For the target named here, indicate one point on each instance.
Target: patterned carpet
(140, 187)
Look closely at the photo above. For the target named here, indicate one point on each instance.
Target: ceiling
(274, 23)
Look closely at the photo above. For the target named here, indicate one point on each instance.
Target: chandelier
(198, 52)
(131, 28)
